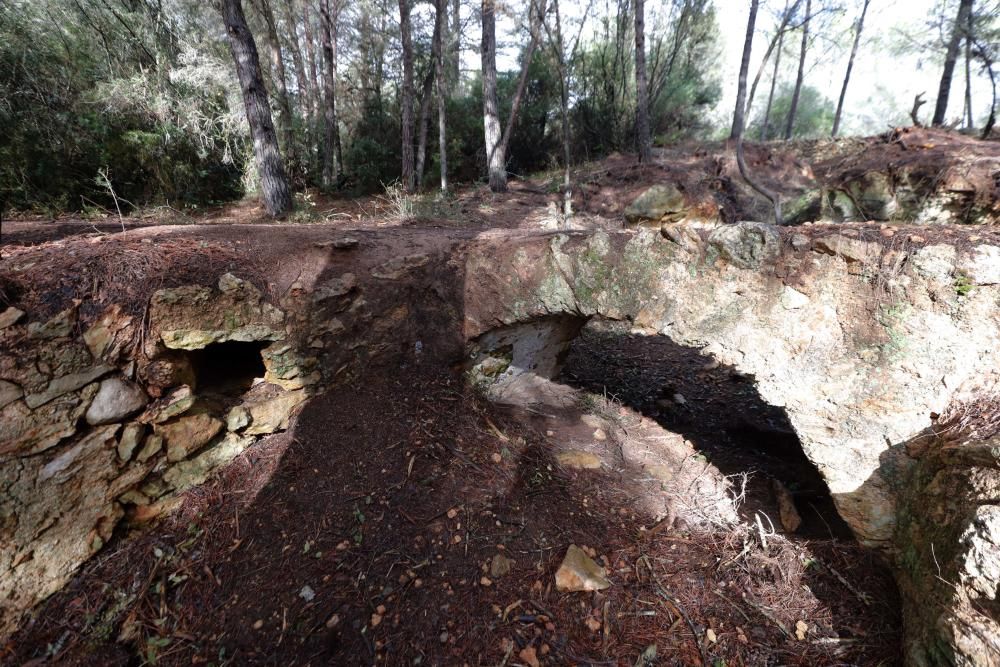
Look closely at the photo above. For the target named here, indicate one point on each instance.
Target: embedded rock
(24, 431)
(188, 434)
(193, 317)
(116, 399)
(747, 244)
(272, 414)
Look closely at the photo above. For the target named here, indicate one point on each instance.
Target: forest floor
(406, 519)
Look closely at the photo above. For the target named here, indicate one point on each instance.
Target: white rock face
(116, 399)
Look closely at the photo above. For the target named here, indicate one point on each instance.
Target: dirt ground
(405, 519)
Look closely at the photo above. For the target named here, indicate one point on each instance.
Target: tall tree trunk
(774, 84)
(495, 160)
(794, 107)
(741, 90)
(424, 120)
(455, 43)
(442, 89)
(969, 123)
(274, 184)
(305, 88)
(944, 89)
(536, 14)
(641, 92)
(850, 66)
(406, 101)
(331, 134)
(280, 79)
(564, 108)
(307, 32)
(739, 123)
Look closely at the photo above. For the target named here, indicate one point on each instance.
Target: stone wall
(109, 424)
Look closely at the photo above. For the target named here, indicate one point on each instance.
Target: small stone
(258, 624)
(800, 242)
(443, 637)
(333, 621)
(485, 581)
(452, 513)
(579, 572)
(129, 440)
(592, 624)
(529, 657)
(307, 593)
(600, 435)
(153, 444)
(790, 519)
(710, 636)
(801, 628)
(238, 417)
(496, 457)
(500, 566)
(10, 317)
(376, 620)
(578, 460)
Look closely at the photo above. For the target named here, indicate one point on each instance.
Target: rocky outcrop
(858, 339)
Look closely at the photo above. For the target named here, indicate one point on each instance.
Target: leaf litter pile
(407, 521)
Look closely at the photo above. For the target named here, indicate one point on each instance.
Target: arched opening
(227, 369)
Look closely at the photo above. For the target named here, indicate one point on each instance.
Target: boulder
(24, 431)
(116, 399)
(660, 202)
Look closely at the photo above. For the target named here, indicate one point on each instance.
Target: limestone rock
(983, 266)
(10, 317)
(579, 572)
(397, 267)
(24, 431)
(656, 203)
(852, 250)
(110, 334)
(237, 418)
(186, 474)
(288, 368)
(935, 261)
(65, 384)
(130, 438)
(335, 287)
(175, 403)
(60, 326)
(272, 414)
(152, 445)
(193, 317)
(9, 392)
(747, 244)
(579, 460)
(188, 434)
(116, 399)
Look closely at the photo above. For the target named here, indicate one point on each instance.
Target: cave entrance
(714, 407)
(228, 369)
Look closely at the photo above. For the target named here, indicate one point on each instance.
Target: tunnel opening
(227, 369)
(713, 406)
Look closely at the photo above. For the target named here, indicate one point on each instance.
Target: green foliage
(80, 93)
(813, 117)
